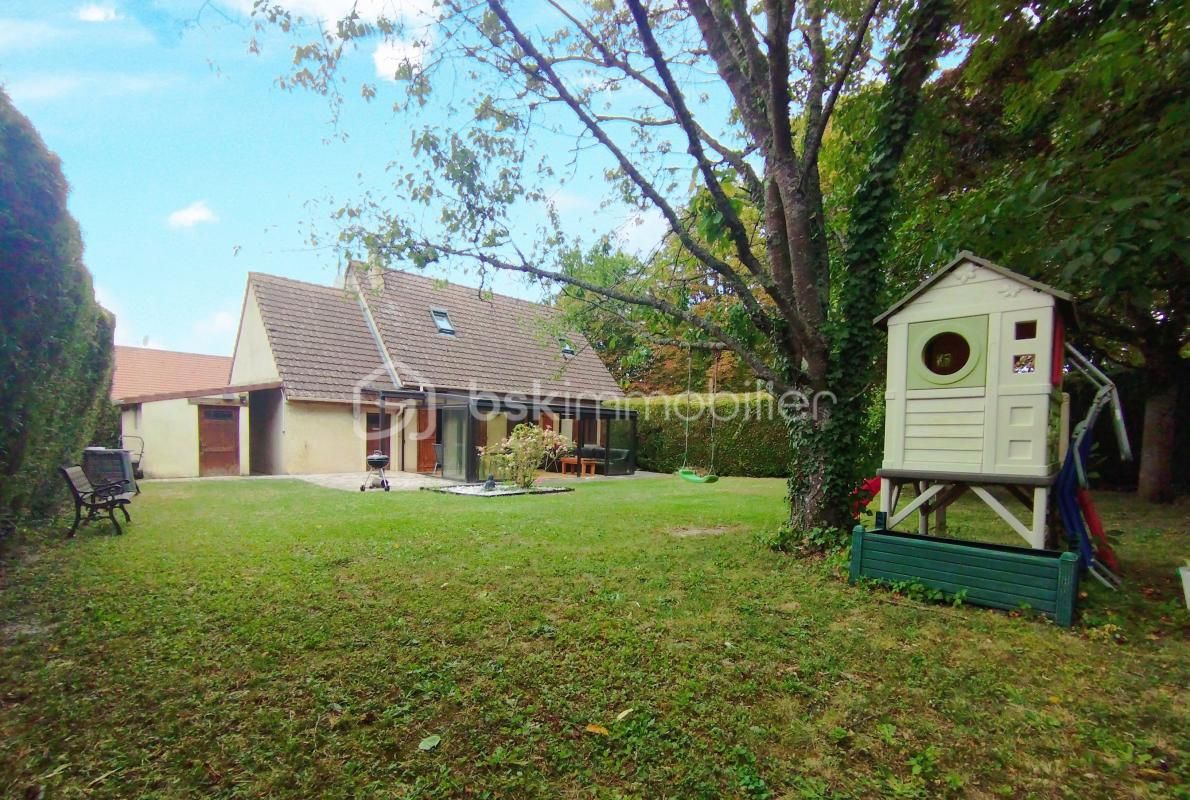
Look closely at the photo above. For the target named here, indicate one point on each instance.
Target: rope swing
(684, 472)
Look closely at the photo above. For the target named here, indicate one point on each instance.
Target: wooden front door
(426, 437)
(218, 440)
(379, 435)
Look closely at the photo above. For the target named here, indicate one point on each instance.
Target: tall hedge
(55, 340)
(750, 436)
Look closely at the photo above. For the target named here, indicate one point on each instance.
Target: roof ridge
(171, 352)
(451, 284)
(287, 279)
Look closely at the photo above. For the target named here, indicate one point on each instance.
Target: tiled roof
(323, 342)
(319, 337)
(500, 344)
(144, 371)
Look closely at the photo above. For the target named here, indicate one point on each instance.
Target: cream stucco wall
(497, 428)
(170, 432)
(252, 362)
(409, 435)
(321, 437)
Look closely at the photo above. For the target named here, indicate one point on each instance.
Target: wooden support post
(888, 502)
(1021, 494)
(917, 503)
(1040, 504)
(923, 513)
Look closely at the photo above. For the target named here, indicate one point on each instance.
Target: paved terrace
(397, 481)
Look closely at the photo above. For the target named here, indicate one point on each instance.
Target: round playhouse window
(946, 353)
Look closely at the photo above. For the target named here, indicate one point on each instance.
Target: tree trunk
(1157, 443)
(821, 476)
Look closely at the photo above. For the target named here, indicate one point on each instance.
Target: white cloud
(193, 214)
(48, 87)
(42, 87)
(388, 57)
(93, 12)
(568, 202)
(19, 34)
(642, 232)
(334, 10)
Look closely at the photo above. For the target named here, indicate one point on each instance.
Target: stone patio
(397, 481)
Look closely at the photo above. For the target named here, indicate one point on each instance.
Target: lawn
(629, 639)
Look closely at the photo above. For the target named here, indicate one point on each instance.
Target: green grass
(251, 639)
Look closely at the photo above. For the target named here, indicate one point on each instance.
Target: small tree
(529, 448)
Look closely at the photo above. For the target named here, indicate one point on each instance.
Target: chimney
(376, 278)
(365, 277)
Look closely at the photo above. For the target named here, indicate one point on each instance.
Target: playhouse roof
(1065, 301)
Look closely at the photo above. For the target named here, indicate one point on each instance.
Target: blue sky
(189, 167)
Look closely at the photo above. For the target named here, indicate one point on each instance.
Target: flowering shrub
(527, 449)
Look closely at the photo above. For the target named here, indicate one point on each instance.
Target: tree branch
(815, 132)
(739, 234)
(542, 70)
(735, 158)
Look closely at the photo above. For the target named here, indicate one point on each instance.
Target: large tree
(737, 95)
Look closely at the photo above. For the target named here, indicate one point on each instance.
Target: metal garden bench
(96, 501)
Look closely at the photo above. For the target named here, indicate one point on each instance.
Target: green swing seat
(692, 476)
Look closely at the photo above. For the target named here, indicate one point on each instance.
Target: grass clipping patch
(690, 533)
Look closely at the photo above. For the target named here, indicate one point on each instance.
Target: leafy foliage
(55, 340)
(645, 350)
(750, 438)
(1057, 147)
(523, 452)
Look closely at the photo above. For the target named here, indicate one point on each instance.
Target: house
(421, 369)
(176, 407)
(424, 370)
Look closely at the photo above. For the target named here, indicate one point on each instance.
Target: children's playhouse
(974, 403)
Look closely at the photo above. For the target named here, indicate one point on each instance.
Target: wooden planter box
(992, 575)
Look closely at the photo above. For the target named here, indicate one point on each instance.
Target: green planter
(992, 575)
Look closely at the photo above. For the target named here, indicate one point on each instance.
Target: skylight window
(442, 320)
(568, 350)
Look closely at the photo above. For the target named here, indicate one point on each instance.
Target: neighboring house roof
(144, 371)
(500, 344)
(319, 337)
(1064, 299)
(326, 339)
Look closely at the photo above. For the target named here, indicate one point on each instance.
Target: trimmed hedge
(751, 439)
(55, 340)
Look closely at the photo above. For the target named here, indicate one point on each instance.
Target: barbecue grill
(374, 478)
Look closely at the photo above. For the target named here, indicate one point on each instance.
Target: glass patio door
(454, 443)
